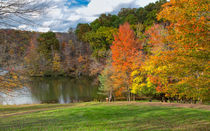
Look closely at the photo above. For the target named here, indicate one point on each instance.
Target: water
(3, 72)
(52, 90)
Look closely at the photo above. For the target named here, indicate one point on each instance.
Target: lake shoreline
(37, 90)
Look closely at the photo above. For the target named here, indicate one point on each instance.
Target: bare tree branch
(16, 12)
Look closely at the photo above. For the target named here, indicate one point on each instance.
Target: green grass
(22, 108)
(95, 116)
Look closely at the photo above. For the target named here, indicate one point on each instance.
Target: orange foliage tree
(125, 52)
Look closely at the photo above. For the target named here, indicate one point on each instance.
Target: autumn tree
(182, 71)
(13, 47)
(68, 51)
(155, 43)
(56, 63)
(13, 13)
(10, 80)
(32, 59)
(142, 84)
(83, 65)
(125, 49)
(43, 58)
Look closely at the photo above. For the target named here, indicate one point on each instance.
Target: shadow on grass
(121, 117)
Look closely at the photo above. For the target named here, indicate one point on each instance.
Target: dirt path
(33, 110)
(195, 106)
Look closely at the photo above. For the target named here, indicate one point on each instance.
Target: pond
(52, 90)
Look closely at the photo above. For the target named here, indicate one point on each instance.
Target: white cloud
(143, 3)
(60, 17)
(96, 7)
(90, 18)
(47, 23)
(55, 13)
(74, 17)
(43, 29)
(22, 27)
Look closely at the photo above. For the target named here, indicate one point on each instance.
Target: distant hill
(14, 45)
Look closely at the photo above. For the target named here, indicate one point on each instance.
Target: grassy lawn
(94, 116)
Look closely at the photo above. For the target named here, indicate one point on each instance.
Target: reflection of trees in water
(63, 90)
(18, 96)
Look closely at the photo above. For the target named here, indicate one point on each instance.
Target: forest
(160, 51)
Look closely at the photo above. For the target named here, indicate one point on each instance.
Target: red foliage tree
(126, 49)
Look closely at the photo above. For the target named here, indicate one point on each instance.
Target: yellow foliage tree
(56, 63)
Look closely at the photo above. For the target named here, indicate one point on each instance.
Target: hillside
(15, 44)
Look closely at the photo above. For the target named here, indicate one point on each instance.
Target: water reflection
(52, 90)
(17, 97)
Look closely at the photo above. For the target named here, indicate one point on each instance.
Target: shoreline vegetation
(106, 116)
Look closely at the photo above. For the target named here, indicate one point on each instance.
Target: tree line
(99, 33)
(167, 60)
(160, 51)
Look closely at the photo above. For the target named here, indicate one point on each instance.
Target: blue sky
(77, 3)
(68, 13)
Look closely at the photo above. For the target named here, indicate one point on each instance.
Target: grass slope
(95, 116)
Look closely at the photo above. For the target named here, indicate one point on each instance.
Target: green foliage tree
(131, 19)
(124, 12)
(95, 25)
(47, 44)
(81, 30)
(106, 21)
(100, 41)
(106, 82)
(151, 18)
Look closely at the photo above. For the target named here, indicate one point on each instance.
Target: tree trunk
(129, 96)
(134, 97)
(110, 96)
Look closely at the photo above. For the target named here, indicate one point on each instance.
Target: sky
(68, 13)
